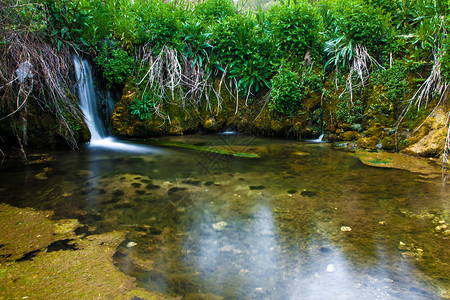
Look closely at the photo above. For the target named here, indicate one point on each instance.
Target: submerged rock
(308, 193)
(346, 228)
(330, 268)
(219, 226)
(257, 187)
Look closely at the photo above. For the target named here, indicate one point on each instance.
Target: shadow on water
(302, 222)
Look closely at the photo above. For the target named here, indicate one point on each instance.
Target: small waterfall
(88, 100)
(88, 104)
(318, 140)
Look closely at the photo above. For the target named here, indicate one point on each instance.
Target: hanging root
(171, 77)
(361, 65)
(434, 85)
(32, 69)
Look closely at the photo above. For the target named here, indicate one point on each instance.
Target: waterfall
(88, 105)
(318, 140)
(88, 100)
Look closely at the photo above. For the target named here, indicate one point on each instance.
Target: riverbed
(293, 220)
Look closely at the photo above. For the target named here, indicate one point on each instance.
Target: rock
(346, 228)
(256, 187)
(308, 193)
(356, 127)
(382, 223)
(430, 138)
(131, 244)
(219, 226)
(330, 269)
(349, 136)
(368, 142)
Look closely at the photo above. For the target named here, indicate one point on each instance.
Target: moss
(221, 150)
(368, 142)
(87, 272)
(349, 136)
(44, 129)
(388, 143)
(399, 161)
(429, 139)
(213, 115)
(27, 230)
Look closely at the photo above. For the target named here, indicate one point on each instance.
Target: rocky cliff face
(429, 138)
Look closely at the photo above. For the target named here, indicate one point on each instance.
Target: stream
(303, 221)
(282, 220)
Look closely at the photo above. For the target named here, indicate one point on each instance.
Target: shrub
(393, 81)
(214, 10)
(350, 113)
(115, 63)
(160, 23)
(142, 108)
(287, 92)
(296, 29)
(362, 24)
(196, 45)
(244, 48)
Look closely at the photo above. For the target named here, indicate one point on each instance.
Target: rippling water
(304, 221)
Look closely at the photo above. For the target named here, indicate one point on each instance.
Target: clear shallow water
(277, 227)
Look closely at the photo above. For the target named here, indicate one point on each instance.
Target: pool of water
(303, 221)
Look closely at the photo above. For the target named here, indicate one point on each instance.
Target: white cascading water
(88, 105)
(318, 140)
(88, 100)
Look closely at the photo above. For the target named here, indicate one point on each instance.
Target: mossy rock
(388, 143)
(349, 136)
(368, 142)
(43, 128)
(376, 130)
(429, 139)
(172, 119)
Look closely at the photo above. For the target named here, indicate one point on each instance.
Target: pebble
(219, 226)
(331, 269)
(346, 228)
(131, 244)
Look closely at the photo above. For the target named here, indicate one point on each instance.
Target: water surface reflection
(303, 222)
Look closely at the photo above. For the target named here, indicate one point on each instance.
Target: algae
(223, 151)
(88, 272)
(400, 161)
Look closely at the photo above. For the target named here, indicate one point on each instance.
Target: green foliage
(349, 113)
(115, 63)
(296, 29)
(291, 87)
(243, 46)
(196, 42)
(286, 96)
(253, 74)
(68, 20)
(214, 10)
(444, 60)
(160, 23)
(28, 16)
(359, 23)
(393, 81)
(142, 108)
